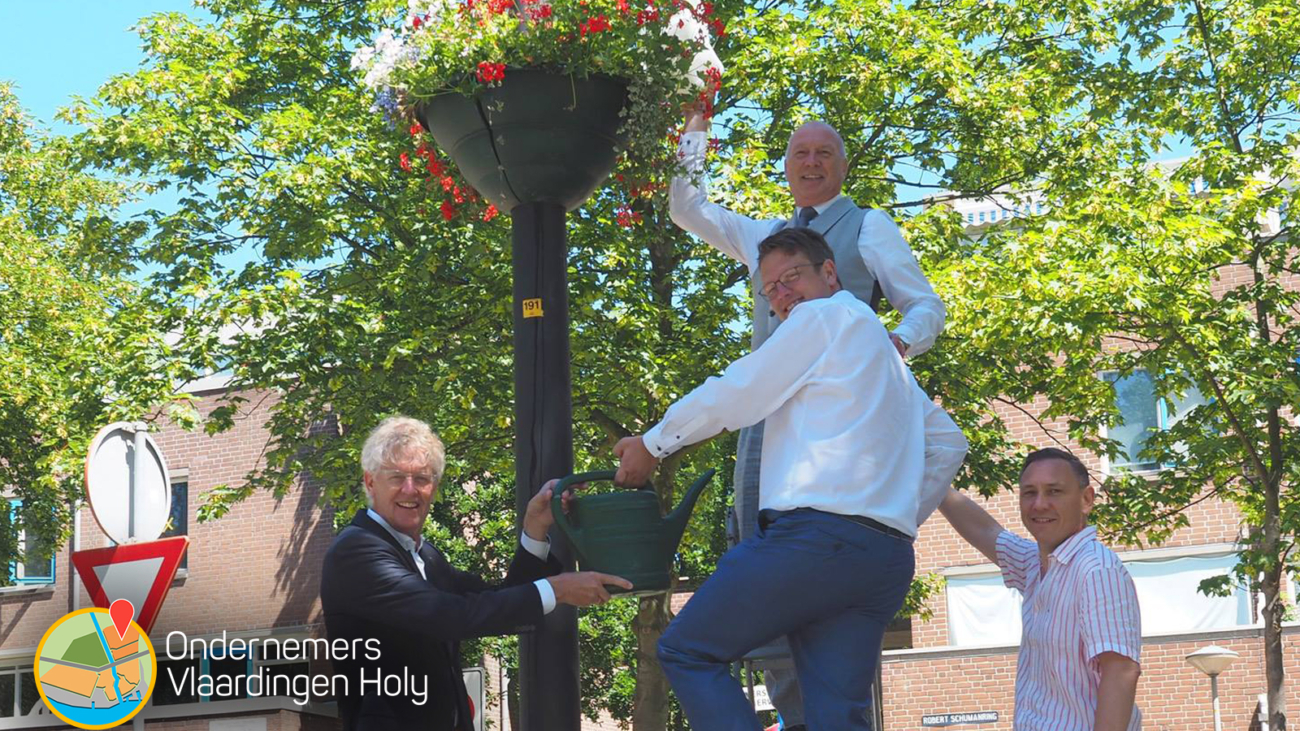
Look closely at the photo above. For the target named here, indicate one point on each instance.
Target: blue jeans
(831, 584)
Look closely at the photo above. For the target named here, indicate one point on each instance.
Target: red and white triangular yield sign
(141, 573)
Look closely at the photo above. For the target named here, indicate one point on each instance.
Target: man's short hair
(1076, 465)
(400, 437)
(791, 241)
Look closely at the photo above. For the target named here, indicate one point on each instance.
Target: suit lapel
(364, 521)
(438, 573)
(823, 223)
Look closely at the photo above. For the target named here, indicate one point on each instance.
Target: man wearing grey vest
(871, 259)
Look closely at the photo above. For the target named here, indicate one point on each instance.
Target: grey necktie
(805, 217)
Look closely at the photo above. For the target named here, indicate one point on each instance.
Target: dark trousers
(830, 584)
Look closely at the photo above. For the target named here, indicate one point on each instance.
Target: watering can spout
(675, 522)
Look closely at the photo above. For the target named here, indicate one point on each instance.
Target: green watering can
(622, 533)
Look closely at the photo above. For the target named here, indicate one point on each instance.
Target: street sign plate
(109, 468)
(141, 573)
(474, 687)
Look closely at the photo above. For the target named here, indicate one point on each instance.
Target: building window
(35, 561)
(229, 665)
(177, 682)
(1169, 594)
(983, 611)
(272, 665)
(178, 524)
(1143, 413)
(18, 694)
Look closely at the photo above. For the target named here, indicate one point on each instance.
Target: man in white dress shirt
(1081, 641)
(871, 258)
(842, 486)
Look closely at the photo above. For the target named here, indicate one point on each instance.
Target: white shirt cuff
(540, 549)
(693, 139)
(547, 593)
(653, 441)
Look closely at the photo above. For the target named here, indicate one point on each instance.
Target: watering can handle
(596, 476)
(571, 531)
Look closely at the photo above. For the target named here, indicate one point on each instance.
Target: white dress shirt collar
(821, 207)
(406, 542)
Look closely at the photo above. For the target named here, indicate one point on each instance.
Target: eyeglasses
(788, 279)
(397, 478)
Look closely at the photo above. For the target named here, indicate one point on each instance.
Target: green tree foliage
(360, 301)
(76, 348)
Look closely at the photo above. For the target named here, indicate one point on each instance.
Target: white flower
(362, 57)
(387, 52)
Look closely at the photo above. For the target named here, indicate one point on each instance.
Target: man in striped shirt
(1079, 650)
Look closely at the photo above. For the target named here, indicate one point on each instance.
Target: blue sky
(54, 49)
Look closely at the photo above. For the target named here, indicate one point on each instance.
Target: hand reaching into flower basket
(661, 50)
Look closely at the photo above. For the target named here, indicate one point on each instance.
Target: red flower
(447, 183)
(489, 72)
(627, 217)
(622, 7)
(416, 129)
(593, 25)
(543, 12)
(405, 161)
(490, 213)
(448, 211)
(434, 167)
(457, 194)
(416, 22)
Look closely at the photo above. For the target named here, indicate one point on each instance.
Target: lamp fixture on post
(1213, 660)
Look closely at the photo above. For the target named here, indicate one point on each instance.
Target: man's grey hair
(401, 437)
(818, 123)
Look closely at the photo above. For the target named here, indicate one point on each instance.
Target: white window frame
(17, 567)
(17, 671)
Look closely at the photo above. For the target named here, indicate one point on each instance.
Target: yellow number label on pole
(533, 308)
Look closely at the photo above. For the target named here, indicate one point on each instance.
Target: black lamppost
(537, 146)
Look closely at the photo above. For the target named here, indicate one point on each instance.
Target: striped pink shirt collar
(1070, 546)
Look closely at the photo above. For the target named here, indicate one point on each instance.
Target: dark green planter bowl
(539, 137)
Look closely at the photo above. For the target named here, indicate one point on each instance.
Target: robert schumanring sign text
(953, 719)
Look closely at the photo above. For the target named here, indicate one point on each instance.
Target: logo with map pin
(95, 668)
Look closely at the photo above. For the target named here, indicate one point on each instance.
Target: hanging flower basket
(536, 137)
(535, 101)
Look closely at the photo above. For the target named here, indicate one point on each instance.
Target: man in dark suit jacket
(403, 608)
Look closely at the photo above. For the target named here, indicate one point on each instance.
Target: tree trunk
(650, 704)
(1270, 479)
(1274, 608)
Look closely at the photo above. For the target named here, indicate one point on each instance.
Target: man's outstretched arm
(972, 522)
